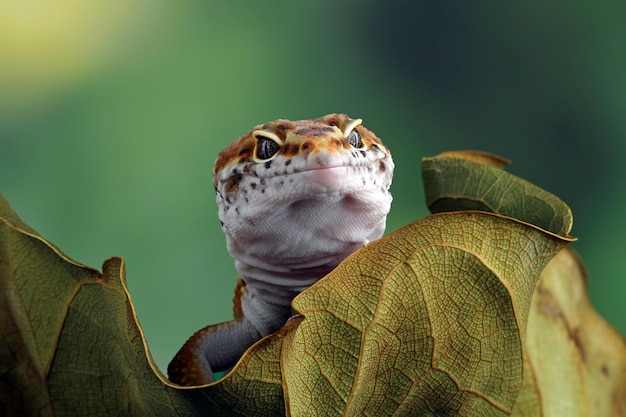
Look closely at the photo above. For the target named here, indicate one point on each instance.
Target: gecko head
(299, 193)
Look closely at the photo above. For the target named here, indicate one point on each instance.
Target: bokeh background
(112, 113)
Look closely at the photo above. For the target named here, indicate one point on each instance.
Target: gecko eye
(266, 147)
(355, 139)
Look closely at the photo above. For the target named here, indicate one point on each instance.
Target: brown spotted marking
(297, 137)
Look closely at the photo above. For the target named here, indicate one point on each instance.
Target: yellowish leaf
(575, 361)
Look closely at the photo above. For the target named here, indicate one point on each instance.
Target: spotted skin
(295, 198)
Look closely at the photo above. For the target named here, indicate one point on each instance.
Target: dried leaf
(575, 361)
(471, 180)
(433, 308)
(430, 320)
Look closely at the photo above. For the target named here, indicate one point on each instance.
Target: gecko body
(295, 198)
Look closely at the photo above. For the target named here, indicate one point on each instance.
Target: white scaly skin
(294, 199)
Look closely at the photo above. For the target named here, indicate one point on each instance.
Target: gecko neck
(292, 248)
(279, 283)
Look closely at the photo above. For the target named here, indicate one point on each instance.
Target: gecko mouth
(345, 179)
(327, 179)
(317, 180)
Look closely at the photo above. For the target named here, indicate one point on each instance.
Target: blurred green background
(112, 113)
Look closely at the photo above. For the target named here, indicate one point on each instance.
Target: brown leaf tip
(479, 157)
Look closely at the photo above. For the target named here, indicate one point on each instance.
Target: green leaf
(471, 180)
(71, 345)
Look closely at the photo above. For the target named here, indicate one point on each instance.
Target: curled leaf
(428, 319)
(71, 345)
(471, 180)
